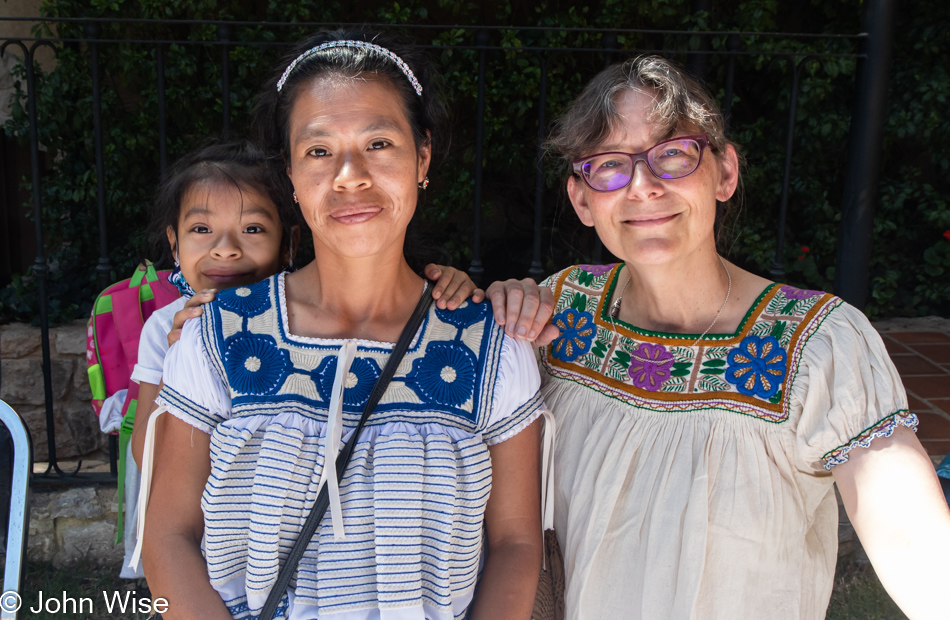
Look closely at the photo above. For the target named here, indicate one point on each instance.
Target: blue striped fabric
(414, 493)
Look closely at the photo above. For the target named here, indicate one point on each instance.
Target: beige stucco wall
(44, 55)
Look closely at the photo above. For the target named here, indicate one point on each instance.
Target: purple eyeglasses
(670, 159)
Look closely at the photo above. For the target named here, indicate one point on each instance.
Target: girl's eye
(317, 152)
(254, 229)
(200, 229)
(379, 144)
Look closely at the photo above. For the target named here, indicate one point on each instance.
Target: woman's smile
(355, 214)
(648, 221)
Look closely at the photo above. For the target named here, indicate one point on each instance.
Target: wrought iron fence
(871, 48)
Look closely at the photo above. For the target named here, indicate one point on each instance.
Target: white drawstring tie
(145, 487)
(334, 436)
(547, 476)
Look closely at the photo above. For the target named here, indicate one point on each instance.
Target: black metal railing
(870, 48)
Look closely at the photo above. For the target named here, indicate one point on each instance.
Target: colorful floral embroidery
(791, 292)
(358, 384)
(245, 300)
(650, 366)
(577, 334)
(445, 375)
(465, 315)
(757, 366)
(884, 428)
(255, 365)
(748, 372)
(597, 270)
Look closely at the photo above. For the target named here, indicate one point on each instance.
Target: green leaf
(779, 329)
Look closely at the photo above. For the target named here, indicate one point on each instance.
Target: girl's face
(226, 236)
(354, 165)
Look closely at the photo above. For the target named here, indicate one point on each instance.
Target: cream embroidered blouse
(693, 481)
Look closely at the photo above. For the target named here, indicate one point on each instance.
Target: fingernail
(531, 335)
(437, 294)
(521, 331)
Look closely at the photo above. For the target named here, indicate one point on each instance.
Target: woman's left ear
(425, 158)
(729, 174)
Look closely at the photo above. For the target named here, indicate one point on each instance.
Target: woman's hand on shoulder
(452, 286)
(193, 309)
(525, 309)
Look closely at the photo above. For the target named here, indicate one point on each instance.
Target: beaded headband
(359, 44)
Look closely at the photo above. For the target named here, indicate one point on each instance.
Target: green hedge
(911, 258)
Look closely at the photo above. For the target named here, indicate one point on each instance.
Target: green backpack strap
(125, 436)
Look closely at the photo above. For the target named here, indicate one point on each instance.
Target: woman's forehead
(331, 104)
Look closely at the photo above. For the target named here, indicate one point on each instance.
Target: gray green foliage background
(910, 270)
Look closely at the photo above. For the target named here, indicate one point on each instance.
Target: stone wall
(74, 526)
(77, 431)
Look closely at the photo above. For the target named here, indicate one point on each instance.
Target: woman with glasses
(704, 412)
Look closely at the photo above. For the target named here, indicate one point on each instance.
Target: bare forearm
(176, 571)
(895, 503)
(508, 583)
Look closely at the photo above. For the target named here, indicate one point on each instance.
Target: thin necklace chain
(724, 301)
(615, 307)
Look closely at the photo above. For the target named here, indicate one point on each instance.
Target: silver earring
(296, 202)
(425, 183)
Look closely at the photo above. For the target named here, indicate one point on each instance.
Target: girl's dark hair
(426, 113)
(239, 163)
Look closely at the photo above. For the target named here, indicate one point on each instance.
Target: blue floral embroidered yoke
(413, 497)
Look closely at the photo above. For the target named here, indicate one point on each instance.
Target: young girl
(221, 212)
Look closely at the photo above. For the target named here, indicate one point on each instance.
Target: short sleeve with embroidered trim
(848, 389)
(516, 402)
(193, 391)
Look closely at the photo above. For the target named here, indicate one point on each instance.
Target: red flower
(946, 234)
(805, 249)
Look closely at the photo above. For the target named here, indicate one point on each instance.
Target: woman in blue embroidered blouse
(703, 412)
(257, 386)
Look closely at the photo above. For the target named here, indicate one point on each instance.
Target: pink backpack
(112, 346)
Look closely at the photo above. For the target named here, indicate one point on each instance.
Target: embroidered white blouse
(692, 480)
(404, 538)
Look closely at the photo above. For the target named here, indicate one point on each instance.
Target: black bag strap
(323, 499)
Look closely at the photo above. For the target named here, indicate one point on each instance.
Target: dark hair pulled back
(426, 113)
(240, 164)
